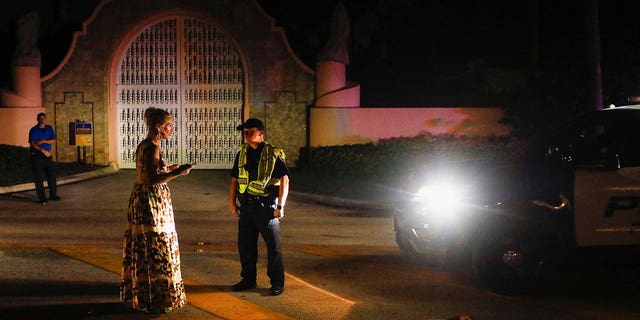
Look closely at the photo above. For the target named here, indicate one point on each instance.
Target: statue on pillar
(336, 48)
(27, 53)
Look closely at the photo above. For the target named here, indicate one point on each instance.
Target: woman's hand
(184, 169)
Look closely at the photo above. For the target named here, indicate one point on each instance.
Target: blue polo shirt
(36, 133)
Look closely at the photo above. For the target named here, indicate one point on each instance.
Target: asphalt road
(62, 261)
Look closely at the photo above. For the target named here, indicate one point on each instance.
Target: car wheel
(403, 239)
(505, 264)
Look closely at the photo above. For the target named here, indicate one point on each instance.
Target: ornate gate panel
(187, 67)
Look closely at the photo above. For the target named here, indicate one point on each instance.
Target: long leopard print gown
(151, 276)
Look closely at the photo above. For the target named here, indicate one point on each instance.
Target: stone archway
(192, 69)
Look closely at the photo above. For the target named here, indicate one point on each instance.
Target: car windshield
(597, 139)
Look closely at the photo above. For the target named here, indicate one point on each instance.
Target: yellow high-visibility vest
(267, 163)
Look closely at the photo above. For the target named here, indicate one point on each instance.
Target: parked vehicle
(578, 186)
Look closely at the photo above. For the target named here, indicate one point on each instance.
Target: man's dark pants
(43, 168)
(257, 219)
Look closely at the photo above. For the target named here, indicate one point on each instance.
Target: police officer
(260, 183)
(41, 138)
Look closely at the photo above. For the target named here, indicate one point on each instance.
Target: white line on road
(320, 289)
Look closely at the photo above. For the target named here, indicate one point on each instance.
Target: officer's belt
(256, 201)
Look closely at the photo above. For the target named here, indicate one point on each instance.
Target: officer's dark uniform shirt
(253, 159)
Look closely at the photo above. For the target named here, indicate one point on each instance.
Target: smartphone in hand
(187, 166)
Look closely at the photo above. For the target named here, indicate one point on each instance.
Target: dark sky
(419, 52)
(446, 53)
(58, 20)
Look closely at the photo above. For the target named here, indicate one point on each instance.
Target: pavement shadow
(115, 310)
(53, 288)
(59, 299)
(19, 197)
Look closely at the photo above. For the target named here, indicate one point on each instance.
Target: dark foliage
(372, 171)
(15, 166)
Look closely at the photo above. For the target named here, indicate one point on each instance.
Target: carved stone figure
(336, 48)
(27, 32)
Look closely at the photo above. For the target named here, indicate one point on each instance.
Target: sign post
(81, 135)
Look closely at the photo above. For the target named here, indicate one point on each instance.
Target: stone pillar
(19, 107)
(330, 77)
(27, 90)
(332, 90)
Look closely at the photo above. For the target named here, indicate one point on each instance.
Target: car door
(607, 182)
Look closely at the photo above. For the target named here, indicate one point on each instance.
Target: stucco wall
(279, 87)
(16, 123)
(20, 105)
(340, 126)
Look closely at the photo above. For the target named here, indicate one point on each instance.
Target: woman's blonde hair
(155, 116)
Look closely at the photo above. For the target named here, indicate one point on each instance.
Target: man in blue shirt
(41, 139)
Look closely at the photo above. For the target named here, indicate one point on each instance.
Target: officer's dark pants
(43, 168)
(256, 219)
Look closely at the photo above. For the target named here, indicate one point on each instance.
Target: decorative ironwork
(204, 91)
(151, 59)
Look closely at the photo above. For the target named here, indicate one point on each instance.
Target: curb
(111, 169)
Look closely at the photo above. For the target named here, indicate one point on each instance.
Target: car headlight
(442, 200)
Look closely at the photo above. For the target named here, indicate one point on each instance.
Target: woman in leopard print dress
(151, 276)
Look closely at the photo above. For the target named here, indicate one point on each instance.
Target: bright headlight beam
(440, 195)
(441, 200)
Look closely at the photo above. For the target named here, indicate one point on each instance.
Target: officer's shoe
(243, 285)
(54, 197)
(276, 291)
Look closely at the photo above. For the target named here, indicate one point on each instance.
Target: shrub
(374, 169)
(15, 166)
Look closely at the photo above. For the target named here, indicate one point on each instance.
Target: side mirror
(612, 162)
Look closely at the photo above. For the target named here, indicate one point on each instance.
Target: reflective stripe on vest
(267, 163)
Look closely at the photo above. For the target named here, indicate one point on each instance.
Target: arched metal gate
(186, 66)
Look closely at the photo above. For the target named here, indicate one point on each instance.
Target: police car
(577, 186)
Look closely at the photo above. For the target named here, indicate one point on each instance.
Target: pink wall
(338, 126)
(16, 123)
(20, 106)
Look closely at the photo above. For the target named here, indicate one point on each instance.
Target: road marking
(320, 289)
(199, 295)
